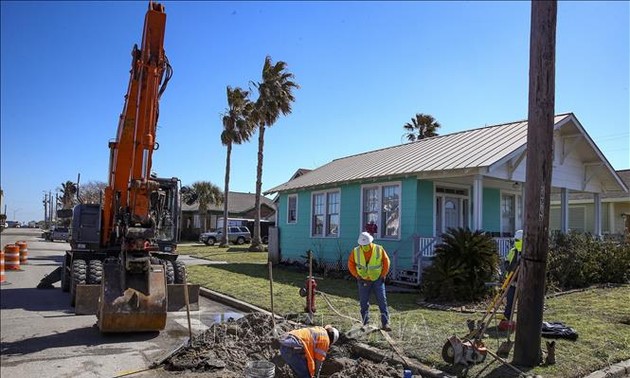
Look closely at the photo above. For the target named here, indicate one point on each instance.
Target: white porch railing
(426, 247)
(424, 250)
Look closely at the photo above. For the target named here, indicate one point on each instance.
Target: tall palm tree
(68, 191)
(421, 126)
(205, 193)
(275, 95)
(237, 128)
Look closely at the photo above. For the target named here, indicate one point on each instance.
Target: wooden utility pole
(542, 61)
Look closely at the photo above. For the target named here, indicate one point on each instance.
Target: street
(41, 335)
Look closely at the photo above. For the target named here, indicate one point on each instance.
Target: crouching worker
(304, 349)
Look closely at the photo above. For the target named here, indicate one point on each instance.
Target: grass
(601, 316)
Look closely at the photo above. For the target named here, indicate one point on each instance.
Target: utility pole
(531, 287)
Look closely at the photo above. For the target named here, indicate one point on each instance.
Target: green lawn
(600, 316)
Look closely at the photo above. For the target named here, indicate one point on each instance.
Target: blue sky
(365, 68)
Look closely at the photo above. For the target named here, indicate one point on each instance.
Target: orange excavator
(123, 264)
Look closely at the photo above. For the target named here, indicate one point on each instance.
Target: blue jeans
(296, 360)
(378, 288)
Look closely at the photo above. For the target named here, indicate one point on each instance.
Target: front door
(448, 213)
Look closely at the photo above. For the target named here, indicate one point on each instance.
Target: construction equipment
(471, 350)
(123, 265)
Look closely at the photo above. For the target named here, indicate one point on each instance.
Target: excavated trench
(224, 349)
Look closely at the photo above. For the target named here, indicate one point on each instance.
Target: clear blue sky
(365, 68)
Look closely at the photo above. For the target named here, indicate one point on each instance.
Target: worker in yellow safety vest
(305, 349)
(369, 264)
(512, 260)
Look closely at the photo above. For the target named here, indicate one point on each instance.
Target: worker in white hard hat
(512, 260)
(305, 349)
(369, 264)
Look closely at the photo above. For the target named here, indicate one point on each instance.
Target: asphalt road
(40, 336)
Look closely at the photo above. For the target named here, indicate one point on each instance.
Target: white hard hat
(365, 238)
(518, 235)
(335, 333)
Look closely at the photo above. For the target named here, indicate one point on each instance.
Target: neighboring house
(614, 211)
(240, 205)
(415, 191)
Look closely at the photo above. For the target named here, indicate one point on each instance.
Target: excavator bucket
(87, 298)
(132, 302)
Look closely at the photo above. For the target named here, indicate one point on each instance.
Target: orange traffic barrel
(2, 277)
(23, 252)
(12, 257)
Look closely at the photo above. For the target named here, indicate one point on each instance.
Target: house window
(326, 209)
(511, 214)
(381, 210)
(292, 209)
(332, 215)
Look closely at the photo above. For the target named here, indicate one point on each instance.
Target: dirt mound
(224, 349)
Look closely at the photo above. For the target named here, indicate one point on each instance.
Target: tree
(90, 192)
(237, 128)
(68, 190)
(275, 95)
(205, 193)
(421, 126)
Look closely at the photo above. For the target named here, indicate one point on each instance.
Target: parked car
(237, 235)
(60, 233)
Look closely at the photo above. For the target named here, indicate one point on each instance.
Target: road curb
(618, 370)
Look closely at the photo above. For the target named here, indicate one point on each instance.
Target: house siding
(295, 238)
(491, 210)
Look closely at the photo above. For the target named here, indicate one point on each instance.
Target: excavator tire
(170, 272)
(180, 272)
(95, 272)
(79, 268)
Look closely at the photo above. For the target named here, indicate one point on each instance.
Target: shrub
(463, 263)
(578, 260)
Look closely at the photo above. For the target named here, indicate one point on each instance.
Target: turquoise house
(410, 194)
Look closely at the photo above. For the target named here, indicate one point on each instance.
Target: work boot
(386, 327)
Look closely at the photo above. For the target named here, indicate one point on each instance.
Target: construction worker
(369, 264)
(304, 349)
(512, 260)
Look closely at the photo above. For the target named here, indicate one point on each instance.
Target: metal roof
(477, 148)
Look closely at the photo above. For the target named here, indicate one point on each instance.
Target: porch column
(612, 224)
(477, 216)
(597, 200)
(564, 210)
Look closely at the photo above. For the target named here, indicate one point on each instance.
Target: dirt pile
(224, 349)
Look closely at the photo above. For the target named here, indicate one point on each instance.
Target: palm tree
(421, 126)
(237, 128)
(68, 190)
(275, 95)
(205, 193)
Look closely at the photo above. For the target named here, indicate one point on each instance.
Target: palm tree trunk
(224, 238)
(256, 241)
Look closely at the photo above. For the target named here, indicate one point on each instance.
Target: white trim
(461, 197)
(380, 186)
(325, 193)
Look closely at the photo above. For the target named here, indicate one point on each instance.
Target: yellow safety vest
(371, 270)
(518, 245)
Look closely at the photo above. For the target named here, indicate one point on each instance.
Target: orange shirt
(316, 343)
(352, 265)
